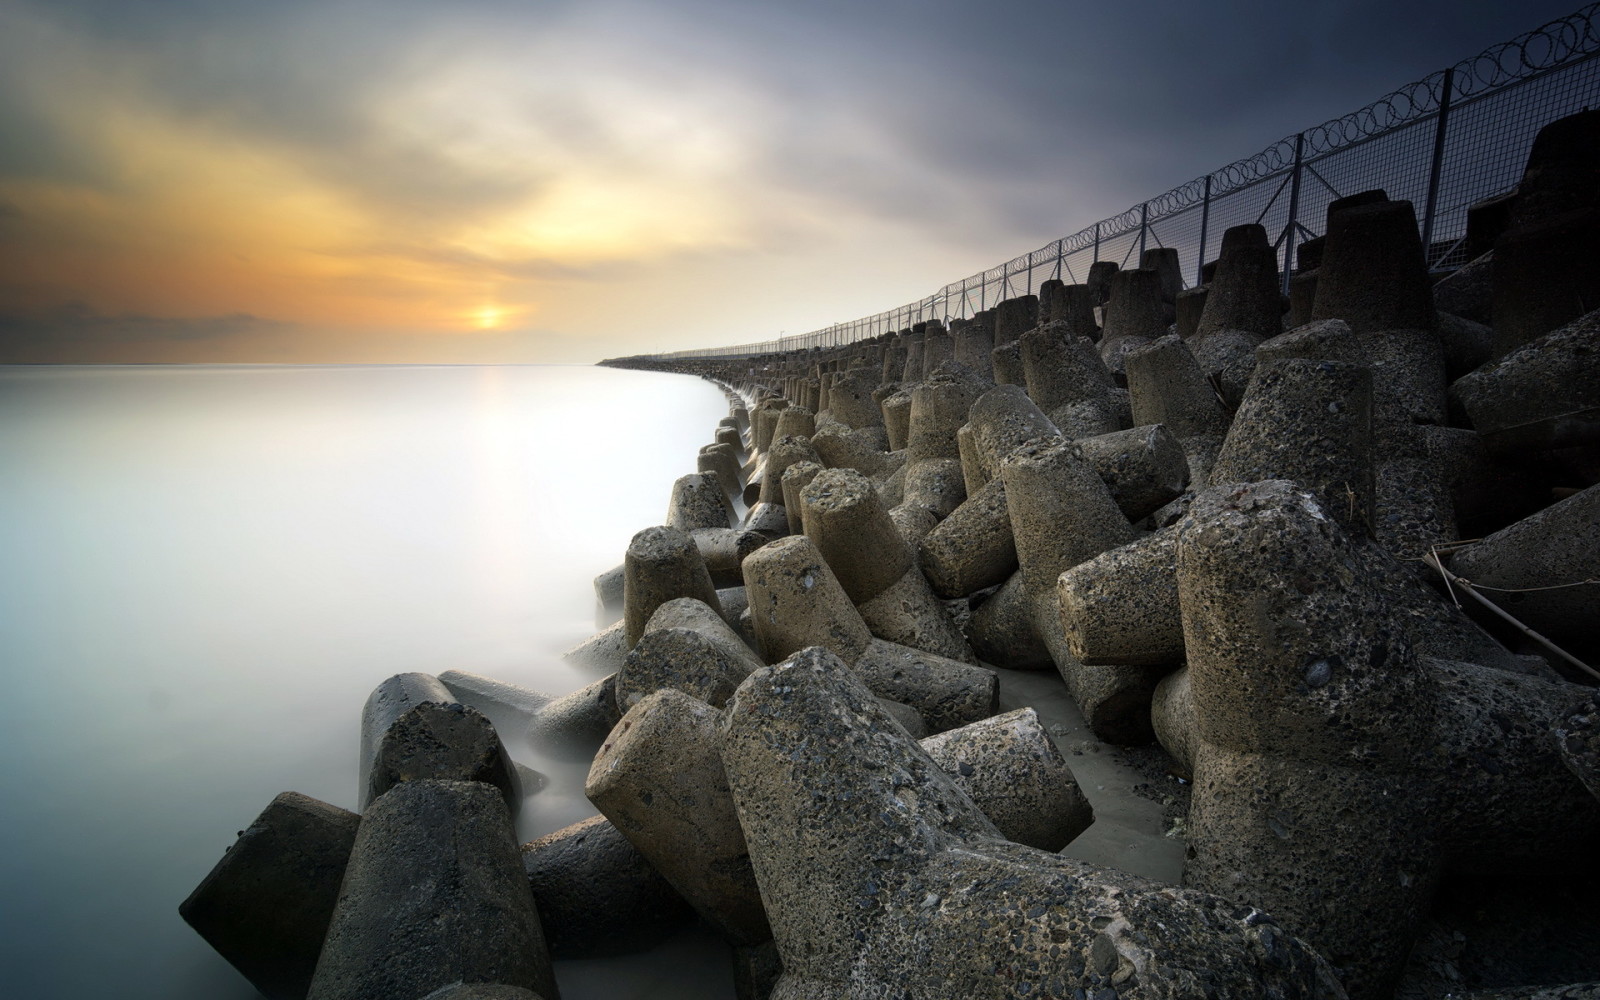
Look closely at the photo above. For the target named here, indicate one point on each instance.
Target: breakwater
(1228, 520)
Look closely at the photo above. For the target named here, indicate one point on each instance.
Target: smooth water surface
(205, 570)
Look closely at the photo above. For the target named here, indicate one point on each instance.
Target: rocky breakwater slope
(1337, 552)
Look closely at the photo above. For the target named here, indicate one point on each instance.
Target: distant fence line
(1484, 112)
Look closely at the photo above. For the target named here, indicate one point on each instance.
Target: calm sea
(204, 571)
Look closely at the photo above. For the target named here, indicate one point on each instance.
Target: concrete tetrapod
(796, 601)
(972, 548)
(661, 564)
(795, 478)
(1067, 379)
(1310, 422)
(786, 451)
(1062, 514)
(1334, 772)
(450, 742)
(434, 895)
(1544, 394)
(1244, 294)
(1134, 316)
(267, 903)
(846, 520)
(882, 878)
(388, 701)
(1544, 269)
(1557, 547)
(659, 778)
(1167, 386)
(556, 723)
(596, 894)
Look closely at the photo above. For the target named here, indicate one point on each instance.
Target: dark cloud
(76, 325)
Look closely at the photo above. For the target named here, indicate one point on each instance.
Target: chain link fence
(1444, 143)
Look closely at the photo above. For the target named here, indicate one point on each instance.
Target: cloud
(76, 324)
(409, 160)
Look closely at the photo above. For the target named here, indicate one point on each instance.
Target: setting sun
(488, 317)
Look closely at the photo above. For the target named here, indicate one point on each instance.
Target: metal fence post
(1144, 214)
(1097, 242)
(1294, 209)
(1061, 252)
(1205, 222)
(1448, 85)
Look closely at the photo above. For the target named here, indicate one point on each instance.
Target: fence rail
(1445, 142)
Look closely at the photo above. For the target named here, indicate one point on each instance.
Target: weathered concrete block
(1244, 294)
(785, 451)
(972, 548)
(596, 894)
(795, 421)
(267, 903)
(896, 408)
(1069, 304)
(1559, 545)
(602, 651)
(1577, 732)
(881, 876)
(1544, 270)
(448, 742)
(1310, 422)
(1372, 274)
(1015, 316)
(387, 702)
(770, 520)
(1122, 605)
(608, 597)
(1002, 630)
(1164, 261)
(765, 420)
(662, 564)
(1172, 717)
(936, 484)
(1144, 467)
(1065, 375)
(795, 478)
(1191, 305)
(1468, 291)
(1542, 395)
(725, 461)
(847, 521)
(947, 693)
(1013, 771)
(1134, 316)
(576, 721)
(850, 400)
(659, 780)
(1005, 361)
(434, 895)
(796, 601)
(699, 501)
(482, 991)
(1335, 772)
(683, 660)
(1167, 386)
(864, 449)
(1001, 420)
(1099, 280)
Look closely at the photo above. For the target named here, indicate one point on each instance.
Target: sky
(498, 181)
